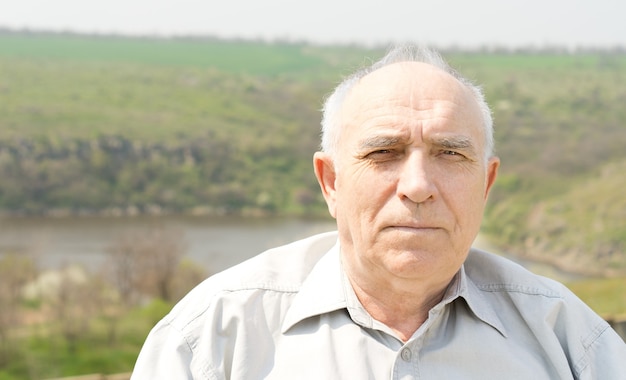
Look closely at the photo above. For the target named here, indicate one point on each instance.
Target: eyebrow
(455, 143)
(379, 142)
(462, 143)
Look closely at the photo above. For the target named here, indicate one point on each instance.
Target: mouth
(413, 228)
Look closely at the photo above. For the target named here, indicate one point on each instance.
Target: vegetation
(123, 126)
(607, 296)
(103, 125)
(560, 130)
(73, 322)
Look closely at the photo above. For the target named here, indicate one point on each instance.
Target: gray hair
(405, 53)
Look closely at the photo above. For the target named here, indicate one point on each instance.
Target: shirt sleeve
(605, 357)
(165, 355)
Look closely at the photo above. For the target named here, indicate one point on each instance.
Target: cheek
(360, 194)
(466, 197)
(357, 182)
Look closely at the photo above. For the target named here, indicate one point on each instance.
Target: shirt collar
(321, 292)
(463, 286)
(327, 289)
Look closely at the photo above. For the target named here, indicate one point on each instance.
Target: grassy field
(94, 124)
(45, 353)
(231, 119)
(238, 57)
(221, 117)
(606, 296)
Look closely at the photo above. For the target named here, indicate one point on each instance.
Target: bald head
(414, 89)
(423, 69)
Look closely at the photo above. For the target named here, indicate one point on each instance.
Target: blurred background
(145, 145)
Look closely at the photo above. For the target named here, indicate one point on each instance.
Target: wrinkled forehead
(413, 90)
(410, 84)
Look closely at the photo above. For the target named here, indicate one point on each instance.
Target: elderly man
(397, 292)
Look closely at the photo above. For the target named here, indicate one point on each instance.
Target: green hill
(581, 230)
(94, 124)
(128, 125)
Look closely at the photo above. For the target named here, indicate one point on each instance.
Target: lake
(215, 243)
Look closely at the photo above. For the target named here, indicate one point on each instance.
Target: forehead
(411, 94)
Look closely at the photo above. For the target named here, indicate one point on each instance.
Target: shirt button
(405, 354)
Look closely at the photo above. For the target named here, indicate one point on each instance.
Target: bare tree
(145, 263)
(123, 267)
(161, 256)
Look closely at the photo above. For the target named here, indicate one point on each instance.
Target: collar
(463, 287)
(327, 289)
(321, 292)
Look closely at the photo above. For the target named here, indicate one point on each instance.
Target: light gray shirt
(290, 313)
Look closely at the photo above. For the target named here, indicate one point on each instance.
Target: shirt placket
(407, 363)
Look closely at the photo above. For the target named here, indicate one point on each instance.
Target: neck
(402, 312)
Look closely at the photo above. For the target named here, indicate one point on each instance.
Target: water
(214, 243)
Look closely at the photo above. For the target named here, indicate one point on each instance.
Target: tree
(144, 263)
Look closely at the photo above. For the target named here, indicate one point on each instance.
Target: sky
(443, 23)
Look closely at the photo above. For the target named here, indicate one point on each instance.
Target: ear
(492, 173)
(326, 176)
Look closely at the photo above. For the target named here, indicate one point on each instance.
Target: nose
(415, 182)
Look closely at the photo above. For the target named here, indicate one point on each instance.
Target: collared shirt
(290, 313)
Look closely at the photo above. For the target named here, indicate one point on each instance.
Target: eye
(381, 151)
(452, 154)
(381, 154)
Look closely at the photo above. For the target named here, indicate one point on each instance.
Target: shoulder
(244, 304)
(542, 303)
(278, 270)
(519, 294)
(284, 267)
(526, 302)
(490, 272)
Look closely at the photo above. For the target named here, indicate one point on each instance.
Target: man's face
(409, 181)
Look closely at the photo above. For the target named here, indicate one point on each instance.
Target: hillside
(110, 125)
(560, 131)
(581, 230)
(123, 126)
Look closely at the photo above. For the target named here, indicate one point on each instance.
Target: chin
(415, 258)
